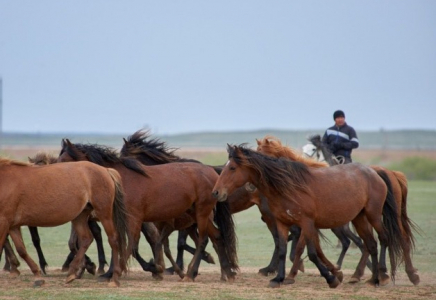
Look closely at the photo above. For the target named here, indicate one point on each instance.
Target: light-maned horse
(272, 146)
(52, 195)
(317, 150)
(316, 198)
(148, 199)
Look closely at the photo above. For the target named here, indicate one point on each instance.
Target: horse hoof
(265, 272)
(414, 278)
(384, 279)
(114, 284)
(289, 281)
(91, 268)
(339, 275)
(210, 260)
(157, 276)
(70, 278)
(65, 269)
(100, 271)
(38, 283)
(335, 283)
(354, 280)
(371, 282)
(274, 284)
(187, 279)
(14, 274)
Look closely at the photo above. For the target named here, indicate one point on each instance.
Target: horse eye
(232, 168)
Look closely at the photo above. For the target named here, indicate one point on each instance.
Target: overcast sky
(192, 66)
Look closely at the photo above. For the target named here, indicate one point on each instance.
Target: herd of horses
(145, 187)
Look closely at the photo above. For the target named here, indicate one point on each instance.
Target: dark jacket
(341, 140)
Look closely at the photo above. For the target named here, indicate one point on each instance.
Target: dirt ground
(248, 285)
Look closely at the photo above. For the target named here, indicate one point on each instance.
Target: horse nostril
(215, 194)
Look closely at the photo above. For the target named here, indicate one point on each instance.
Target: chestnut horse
(272, 146)
(148, 199)
(400, 191)
(51, 195)
(12, 263)
(316, 198)
(152, 151)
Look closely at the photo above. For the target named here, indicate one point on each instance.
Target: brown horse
(148, 198)
(52, 195)
(152, 151)
(399, 189)
(315, 198)
(272, 146)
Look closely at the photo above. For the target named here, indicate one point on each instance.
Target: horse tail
(408, 225)
(224, 220)
(120, 218)
(391, 225)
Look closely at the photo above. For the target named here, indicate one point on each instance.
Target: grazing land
(254, 251)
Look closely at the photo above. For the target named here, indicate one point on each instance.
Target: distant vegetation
(416, 168)
(397, 139)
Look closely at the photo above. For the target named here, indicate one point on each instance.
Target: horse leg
(206, 256)
(11, 259)
(96, 233)
(192, 271)
(345, 242)
(165, 232)
(270, 222)
(152, 236)
(17, 238)
(295, 236)
(181, 241)
(365, 232)
(315, 252)
(84, 240)
(73, 246)
(37, 243)
(282, 231)
(358, 242)
(298, 245)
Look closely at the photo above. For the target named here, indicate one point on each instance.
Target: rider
(341, 138)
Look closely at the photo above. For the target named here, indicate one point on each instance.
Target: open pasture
(254, 250)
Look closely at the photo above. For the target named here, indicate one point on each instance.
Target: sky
(106, 66)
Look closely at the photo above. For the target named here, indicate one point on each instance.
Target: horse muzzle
(219, 196)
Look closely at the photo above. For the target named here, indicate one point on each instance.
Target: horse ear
(125, 142)
(258, 142)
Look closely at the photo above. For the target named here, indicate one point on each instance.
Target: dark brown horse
(316, 198)
(152, 151)
(399, 189)
(46, 196)
(152, 195)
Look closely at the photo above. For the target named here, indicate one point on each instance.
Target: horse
(148, 199)
(272, 146)
(152, 151)
(310, 197)
(317, 149)
(52, 195)
(43, 158)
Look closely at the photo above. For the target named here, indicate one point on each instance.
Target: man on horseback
(341, 138)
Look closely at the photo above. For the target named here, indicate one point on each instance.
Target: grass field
(255, 248)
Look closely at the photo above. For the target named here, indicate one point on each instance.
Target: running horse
(318, 150)
(52, 195)
(316, 198)
(148, 199)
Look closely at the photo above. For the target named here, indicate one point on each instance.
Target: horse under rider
(341, 138)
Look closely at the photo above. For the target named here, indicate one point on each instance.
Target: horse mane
(274, 147)
(43, 158)
(150, 150)
(105, 156)
(284, 176)
(11, 162)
